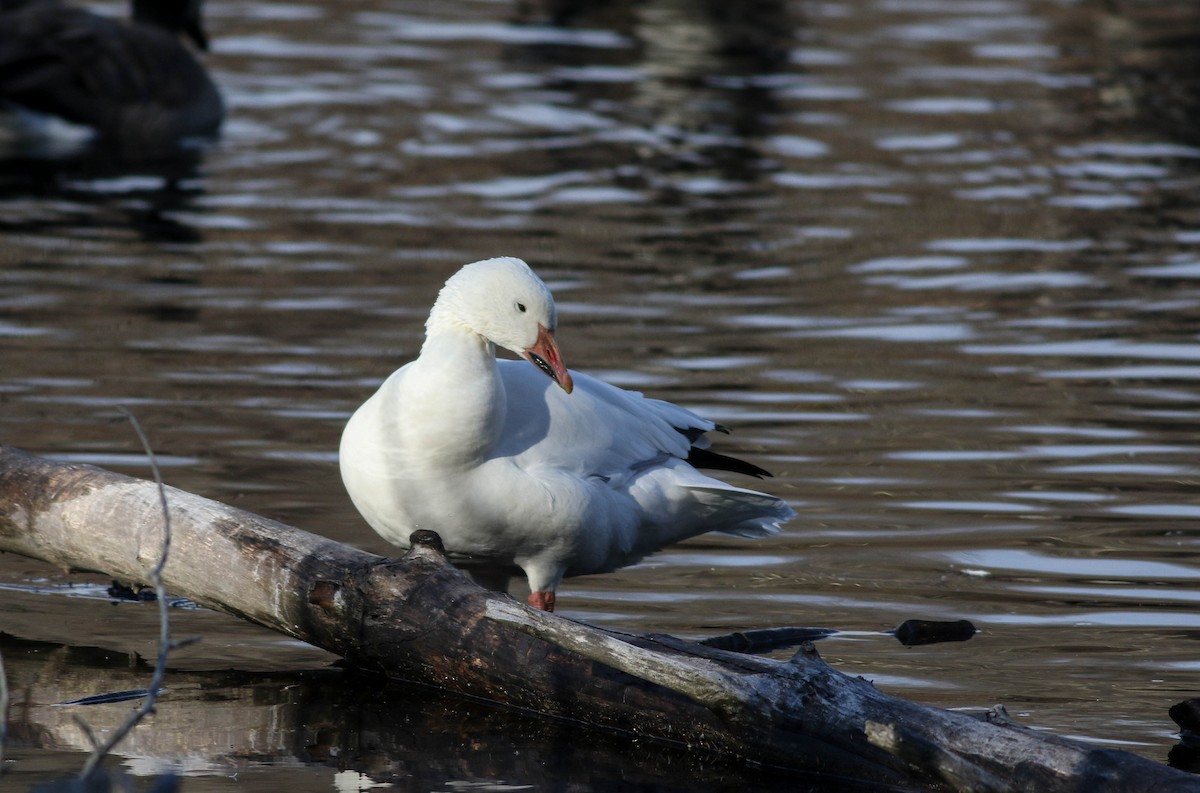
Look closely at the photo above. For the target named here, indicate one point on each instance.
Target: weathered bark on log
(420, 619)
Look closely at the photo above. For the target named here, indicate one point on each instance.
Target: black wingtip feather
(705, 458)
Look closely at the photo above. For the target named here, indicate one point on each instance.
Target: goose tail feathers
(741, 512)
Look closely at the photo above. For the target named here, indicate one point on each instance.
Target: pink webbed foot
(542, 600)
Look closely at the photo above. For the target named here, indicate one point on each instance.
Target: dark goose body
(134, 82)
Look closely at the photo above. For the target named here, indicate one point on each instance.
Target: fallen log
(419, 619)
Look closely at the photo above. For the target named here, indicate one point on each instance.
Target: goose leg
(542, 600)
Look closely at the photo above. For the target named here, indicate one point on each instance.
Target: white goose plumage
(560, 474)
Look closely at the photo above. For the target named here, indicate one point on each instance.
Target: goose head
(503, 301)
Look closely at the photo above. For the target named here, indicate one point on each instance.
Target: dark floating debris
(766, 639)
(119, 591)
(144, 594)
(1187, 715)
(909, 633)
(1185, 755)
(109, 697)
(913, 632)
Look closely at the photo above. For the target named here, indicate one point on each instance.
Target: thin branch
(164, 627)
(87, 731)
(3, 712)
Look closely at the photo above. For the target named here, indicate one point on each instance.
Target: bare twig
(164, 627)
(87, 731)
(3, 712)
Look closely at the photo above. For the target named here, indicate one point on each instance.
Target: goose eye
(521, 307)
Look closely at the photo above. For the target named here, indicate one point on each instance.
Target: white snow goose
(553, 471)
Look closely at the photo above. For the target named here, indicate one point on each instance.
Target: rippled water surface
(937, 263)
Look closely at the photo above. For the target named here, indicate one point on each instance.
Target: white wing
(598, 430)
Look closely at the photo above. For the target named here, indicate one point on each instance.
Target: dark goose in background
(134, 82)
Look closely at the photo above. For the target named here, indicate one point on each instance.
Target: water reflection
(344, 729)
(99, 191)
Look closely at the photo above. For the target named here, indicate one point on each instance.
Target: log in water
(419, 619)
